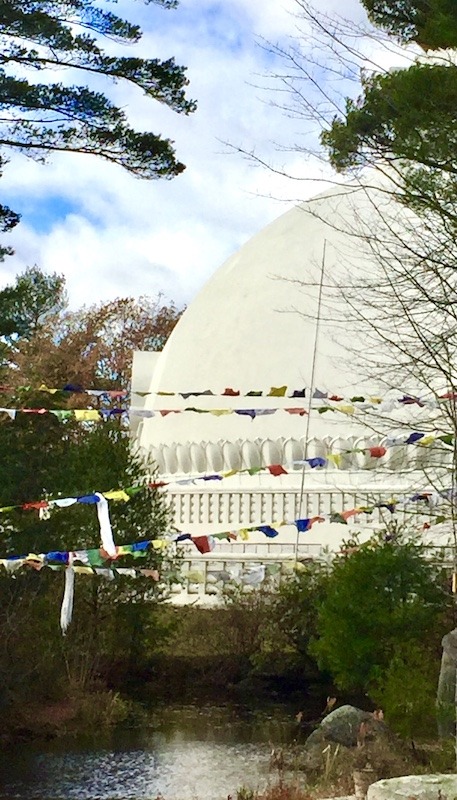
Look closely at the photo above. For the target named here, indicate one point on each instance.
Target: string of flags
(70, 388)
(88, 557)
(93, 559)
(328, 402)
(99, 561)
(78, 414)
(274, 391)
(104, 414)
(85, 499)
(98, 557)
(315, 462)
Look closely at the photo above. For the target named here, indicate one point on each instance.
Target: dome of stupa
(271, 316)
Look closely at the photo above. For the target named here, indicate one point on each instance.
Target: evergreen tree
(406, 117)
(44, 457)
(432, 24)
(39, 118)
(379, 602)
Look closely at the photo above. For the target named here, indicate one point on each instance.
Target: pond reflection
(188, 752)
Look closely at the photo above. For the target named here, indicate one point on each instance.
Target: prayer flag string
(415, 438)
(99, 560)
(100, 556)
(359, 400)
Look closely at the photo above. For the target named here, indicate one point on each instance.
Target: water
(188, 752)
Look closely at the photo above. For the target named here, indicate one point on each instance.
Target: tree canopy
(25, 305)
(42, 456)
(43, 341)
(65, 34)
(406, 113)
(432, 24)
(38, 37)
(381, 598)
(406, 116)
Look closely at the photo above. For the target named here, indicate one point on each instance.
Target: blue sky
(112, 235)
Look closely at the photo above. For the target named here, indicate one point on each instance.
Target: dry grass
(335, 778)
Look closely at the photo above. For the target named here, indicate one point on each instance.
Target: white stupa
(270, 317)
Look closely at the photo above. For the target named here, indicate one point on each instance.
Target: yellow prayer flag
(159, 544)
(83, 570)
(44, 388)
(335, 458)
(277, 391)
(243, 533)
(86, 415)
(426, 440)
(32, 560)
(195, 577)
(346, 409)
(117, 494)
(219, 412)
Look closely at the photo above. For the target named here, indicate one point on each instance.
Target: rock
(346, 727)
(343, 726)
(419, 787)
(446, 686)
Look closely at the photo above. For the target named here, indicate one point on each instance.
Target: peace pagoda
(255, 411)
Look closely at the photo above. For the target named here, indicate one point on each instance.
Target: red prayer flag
(276, 469)
(231, 392)
(36, 504)
(377, 452)
(202, 543)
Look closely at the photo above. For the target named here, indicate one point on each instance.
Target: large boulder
(346, 727)
(419, 787)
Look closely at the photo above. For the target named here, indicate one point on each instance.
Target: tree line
(42, 341)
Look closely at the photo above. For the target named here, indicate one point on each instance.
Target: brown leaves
(93, 347)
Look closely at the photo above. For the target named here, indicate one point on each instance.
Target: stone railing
(205, 578)
(218, 506)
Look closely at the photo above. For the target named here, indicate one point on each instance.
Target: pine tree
(41, 118)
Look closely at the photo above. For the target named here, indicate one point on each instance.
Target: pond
(186, 753)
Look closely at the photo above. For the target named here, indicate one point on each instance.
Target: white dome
(253, 327)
